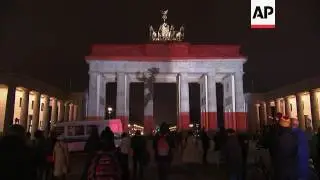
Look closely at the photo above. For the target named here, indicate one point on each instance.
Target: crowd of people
(39, 158)
(42, 158)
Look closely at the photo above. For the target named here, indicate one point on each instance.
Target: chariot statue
(166, 32)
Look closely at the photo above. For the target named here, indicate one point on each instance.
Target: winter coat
(303, 154)
(233, 155)
(61, 159)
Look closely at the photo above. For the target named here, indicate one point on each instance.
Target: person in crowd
(272, 137)
(29, 140)
(191, 153)
(163, 145)
(40, 147)
(303, 151)
(139, 149)
(205, 141)
(51, 141)
(286, 152)
(244, 143)
(97, 168)
(108, 136)
(16, 157)
(61, 159)
(232, 153)
(219, 140)
(124, 155)
(317, 156)
(93, 142)
(92, 145)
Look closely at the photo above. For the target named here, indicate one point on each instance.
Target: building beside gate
(33, 104)
(299, 100)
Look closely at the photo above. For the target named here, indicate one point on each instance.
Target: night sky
(48, 40)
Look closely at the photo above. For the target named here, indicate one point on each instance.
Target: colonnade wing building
(180, 63)
(298, 100)
(34, 104)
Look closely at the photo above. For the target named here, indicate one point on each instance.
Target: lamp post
(110, 109)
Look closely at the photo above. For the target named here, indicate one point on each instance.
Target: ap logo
(263, 14)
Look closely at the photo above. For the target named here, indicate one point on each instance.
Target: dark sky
(49, 39)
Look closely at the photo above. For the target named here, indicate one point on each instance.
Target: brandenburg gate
(169, 60)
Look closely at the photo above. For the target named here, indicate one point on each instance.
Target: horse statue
(152, 33)
(180, 34)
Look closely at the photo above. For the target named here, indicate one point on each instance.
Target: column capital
(313, 91)
(182, 74)
(239, 72)
(211, 73)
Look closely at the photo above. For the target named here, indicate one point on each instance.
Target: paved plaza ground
(178, 171)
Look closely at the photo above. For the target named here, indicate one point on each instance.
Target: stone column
(102, 97)
(54, 112)
(61, 111)
(96, 102)
(36, 112)
(278, 108)
(66, 112)
(9, 113)
(184, 116)
(300, 111)
(71, 112)
(80, 109)
(212, 101)
(314, 110)
(45, 115)
(258, 120)
(262, 114)
(122, 108)
(287, 107)
(268, 110)
(240, 115)
(24, 109)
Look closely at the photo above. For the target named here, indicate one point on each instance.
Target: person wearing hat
(286, 147)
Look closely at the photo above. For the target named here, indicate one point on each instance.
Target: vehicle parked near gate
(76, 133)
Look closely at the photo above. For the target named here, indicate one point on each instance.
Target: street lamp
(109, 112)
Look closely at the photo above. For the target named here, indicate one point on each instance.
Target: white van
(76, 133)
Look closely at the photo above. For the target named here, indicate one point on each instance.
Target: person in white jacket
(61, 159)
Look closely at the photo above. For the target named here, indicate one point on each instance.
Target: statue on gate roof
(166, 32)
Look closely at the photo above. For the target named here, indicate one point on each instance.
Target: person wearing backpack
(104, 164)
(163, 145)
(286, 148)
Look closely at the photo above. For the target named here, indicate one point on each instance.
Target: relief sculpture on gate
(148, 78)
